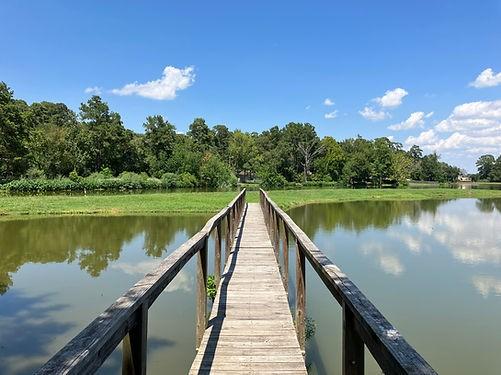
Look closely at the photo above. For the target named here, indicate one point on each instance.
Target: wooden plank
(201, 293)
(135, 345)
(250, 329)
(388, 347)
(87, 351)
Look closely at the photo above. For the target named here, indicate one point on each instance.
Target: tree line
(489, 168)
(50, 141)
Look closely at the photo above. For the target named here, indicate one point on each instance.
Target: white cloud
(392, 98)
(373, 115)
(389, 263)
(165, 88)
(487, 79)
(331, 115)
(473, 128)
(425, 137)
(328, 102)
(415, 119)
(94, 90)
(486, 285)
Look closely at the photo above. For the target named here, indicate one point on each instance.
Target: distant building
(464, 178)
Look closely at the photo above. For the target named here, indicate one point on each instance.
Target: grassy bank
(293, 198)
(208, 202)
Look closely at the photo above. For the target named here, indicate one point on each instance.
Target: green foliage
(271, 179)
(183, 180)
(214, 173)
(211, 287)
(489, 168)
(310, 327)
(48, 140)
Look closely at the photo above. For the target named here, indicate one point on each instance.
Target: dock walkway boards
(250, 330)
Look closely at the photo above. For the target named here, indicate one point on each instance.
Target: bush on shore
(102, 181)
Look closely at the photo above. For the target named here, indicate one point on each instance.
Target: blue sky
(252, 65)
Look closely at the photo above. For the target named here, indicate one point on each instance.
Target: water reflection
(432, 267)
(57, 274)
(92, 242)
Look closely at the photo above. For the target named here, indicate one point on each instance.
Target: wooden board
(250, 329)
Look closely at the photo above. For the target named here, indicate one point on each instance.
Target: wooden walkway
(250, 330)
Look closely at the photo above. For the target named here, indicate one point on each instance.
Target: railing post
(217, 255)
(135, 345)
(227, 249)
(300, 296)
(277, 235)
(285, 246)
(353, 346)
(201, 293)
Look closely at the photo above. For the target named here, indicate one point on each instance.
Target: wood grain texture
(250, 330)
(87, 351)
(388, 347)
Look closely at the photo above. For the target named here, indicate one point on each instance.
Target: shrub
(215, 173)
(271, 179)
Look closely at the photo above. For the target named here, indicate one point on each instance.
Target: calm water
(57, 274)
(432, 267)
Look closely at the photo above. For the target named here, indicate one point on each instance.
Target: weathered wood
(285, 249)
(388, 347)
(251, 329)
(86, 352)
(353, 346)
(135, 345)
(217, 255)
(300, 297)
(201, 293)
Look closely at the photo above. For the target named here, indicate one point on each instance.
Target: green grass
(208, 202)
(116, 204)
(293, 198)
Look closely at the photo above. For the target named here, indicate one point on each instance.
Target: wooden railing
(363, 324)
(126, 320)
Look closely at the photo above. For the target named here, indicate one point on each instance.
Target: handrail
(362, 321)
(127, 318)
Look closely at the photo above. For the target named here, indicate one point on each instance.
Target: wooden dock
(250, 329)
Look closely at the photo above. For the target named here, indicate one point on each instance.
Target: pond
(57, 274)
(433, 268)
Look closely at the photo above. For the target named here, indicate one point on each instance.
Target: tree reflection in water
(93, 242)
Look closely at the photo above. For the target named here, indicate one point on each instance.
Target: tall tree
(104, 139)
(222, 138)
(13, 134)
(201, 135)
(159, 139)
(331, 161)
(485, 164)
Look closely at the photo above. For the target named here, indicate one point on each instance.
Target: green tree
(485, 164)
(222, 139)
(331, 161)
(243, 153)
(495, 174)
(401, 166)
(430, 167)
(159, 140)
(202, 136)
(214, 173)
(13, 135)
(382, 161)
(51, 141)
(104, 141)
(185, 157)
(294, 137)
